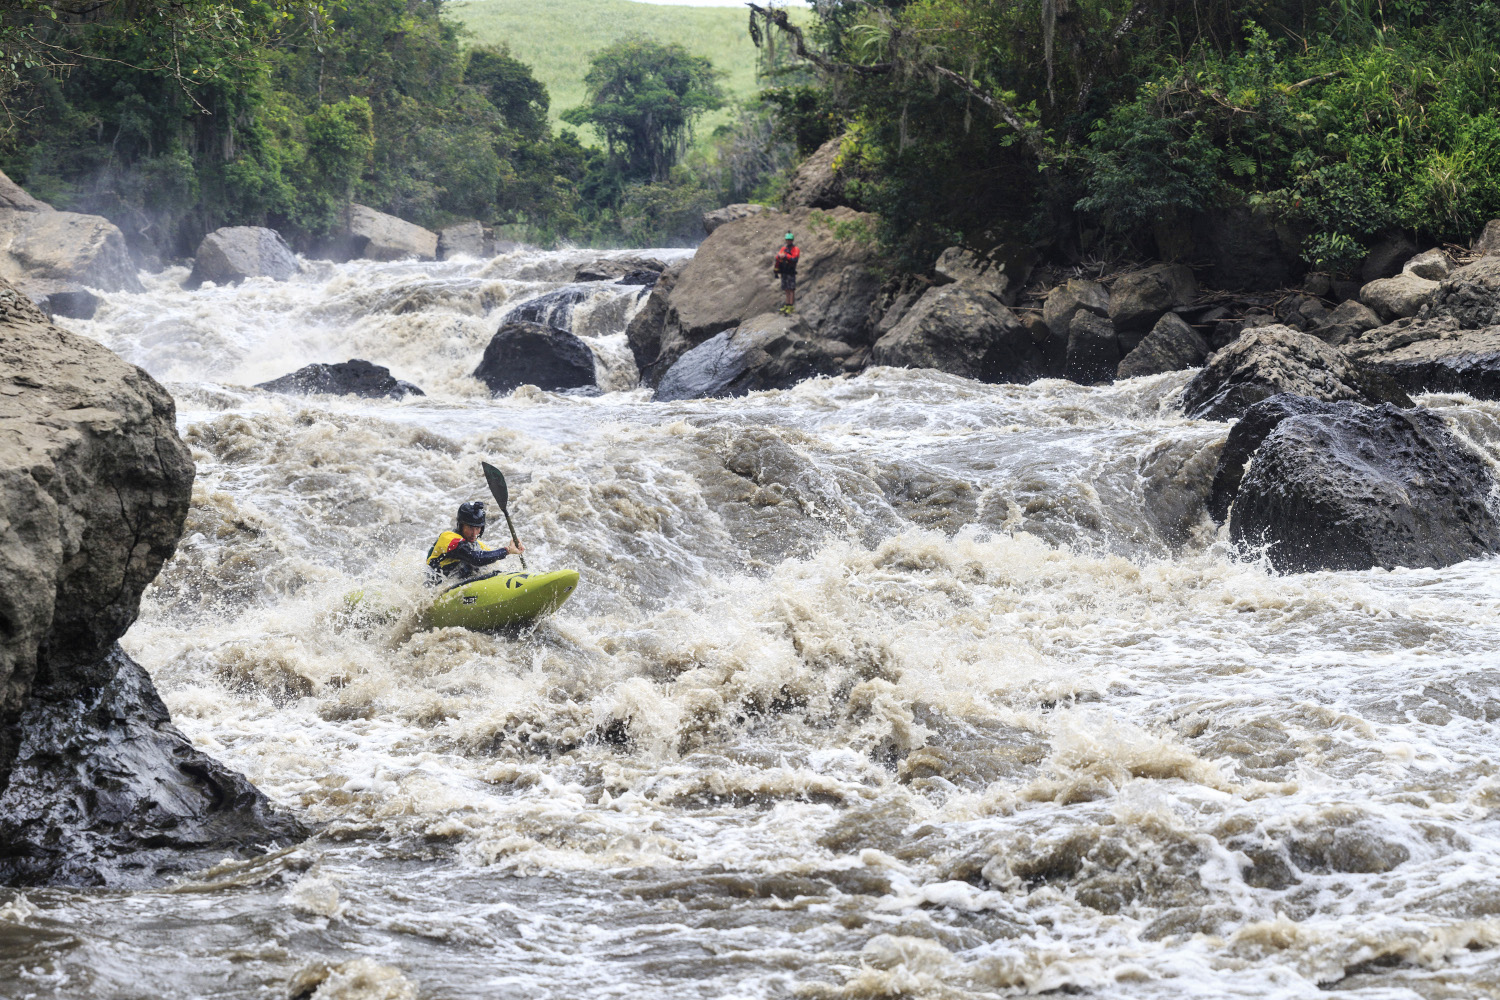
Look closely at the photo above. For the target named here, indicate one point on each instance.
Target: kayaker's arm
(472, 555)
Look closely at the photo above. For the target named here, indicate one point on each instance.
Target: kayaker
(459, 554)
(785, 267)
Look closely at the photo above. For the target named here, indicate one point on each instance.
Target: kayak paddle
(496, 479)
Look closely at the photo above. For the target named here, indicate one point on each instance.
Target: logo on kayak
(517, 580)
(471, 598)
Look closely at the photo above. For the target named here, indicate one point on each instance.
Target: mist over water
(897, 685)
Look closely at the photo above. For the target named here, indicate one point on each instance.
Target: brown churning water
(890, 686)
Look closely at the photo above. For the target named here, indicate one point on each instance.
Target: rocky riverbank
(96, 785)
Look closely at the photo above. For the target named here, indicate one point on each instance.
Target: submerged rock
(347, 378)
(98, 788)
(1370, 487)
(962, 332)
(230, 255)
(522, 353)
(767, 352)
(554, 309)
(1276, 359)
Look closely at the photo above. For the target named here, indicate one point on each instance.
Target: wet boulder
(1398, 297)
(642, 278)
(1172, 345)
(555, 309)
(522, 353)
(731, 213)
(230, 255)
(1371, 487)
(1447, 358)
(1276, 359)
(96, 786)
(463, 240)
(1247, 434)
(955, 330)
(1139, 299)
(767, 352)
(1066, 300)
(1093, 349)
(348, 378)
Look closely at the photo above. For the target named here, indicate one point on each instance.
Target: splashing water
(895, 685)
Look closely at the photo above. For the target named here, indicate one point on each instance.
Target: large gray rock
(1345, 322)
(1093, 349)
(766, 352)
(354, 377)
(729, 280)
(96, 786)
(1487, 243)
(466, 239)
(955, 330)
(731, 213)
(816, 183)
(1470, 296)
(230, 255)
(1172, 345)
(1276, 359)
(1138, 300)
(1398, 297)
(66, 246)
(522, 353)
(962, 267)
(14, 199)
(372, 235)
(1375, 487)
(1064, 302)
(1434, 265)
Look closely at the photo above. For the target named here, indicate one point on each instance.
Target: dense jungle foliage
(174, 117)
(1103, 125)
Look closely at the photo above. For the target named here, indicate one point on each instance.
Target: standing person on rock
(785, 266)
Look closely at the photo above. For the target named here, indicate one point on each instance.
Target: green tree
(508, 84)
(644, 99)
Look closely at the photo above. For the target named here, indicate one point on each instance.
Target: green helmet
(790, 237)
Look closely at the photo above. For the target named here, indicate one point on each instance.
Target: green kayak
(501, 600)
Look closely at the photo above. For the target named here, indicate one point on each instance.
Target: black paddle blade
(496, 479)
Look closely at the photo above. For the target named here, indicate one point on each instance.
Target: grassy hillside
(556, 38)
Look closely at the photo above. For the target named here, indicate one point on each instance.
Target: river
(896, 685)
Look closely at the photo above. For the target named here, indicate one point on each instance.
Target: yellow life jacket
(439, 558)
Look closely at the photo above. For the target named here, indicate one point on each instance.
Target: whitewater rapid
(896, 685)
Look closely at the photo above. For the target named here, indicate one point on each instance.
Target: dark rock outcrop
(1277, 359)
(816, 183)
(1346, 322)
(1172, 345)
(1139, 299)
(731, 213)
(347, 378)
(615, 268)
(1385, 259)
(230, 255)
(96, 786)
(1245, 438)
(642, 278)
(463, 240)
(1093, 349)
(766, 352)
(554, 309)
(955, 330)
(522, 353)
(1374, 487)
(729, 280)
(1470, 296)
(62, 298)
(1447, 359)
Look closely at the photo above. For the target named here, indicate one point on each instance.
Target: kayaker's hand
(515, 548)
